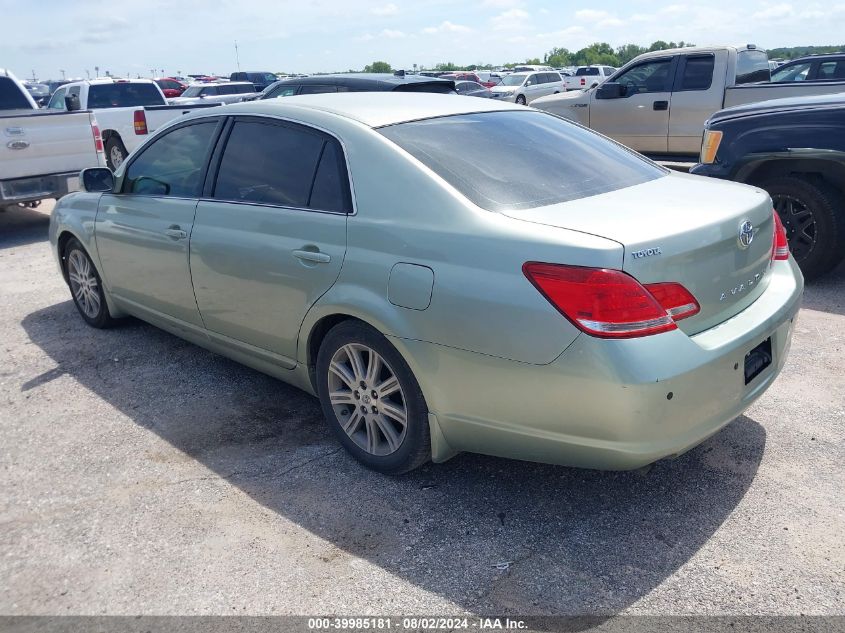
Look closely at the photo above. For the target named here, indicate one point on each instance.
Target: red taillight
(675, 299)
(601, 302)
(98, 139)
(780, 245)
(583, 81)
(140, 122)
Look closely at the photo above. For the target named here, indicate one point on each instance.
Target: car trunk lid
(683, 229)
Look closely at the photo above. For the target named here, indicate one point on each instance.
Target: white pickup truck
(658, 102)
(126, 109)
(41, 151)
(586, 77)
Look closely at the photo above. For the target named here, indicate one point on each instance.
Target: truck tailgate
(42, 142)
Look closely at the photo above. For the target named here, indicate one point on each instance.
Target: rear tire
(115, 152)
(86, 287)
(813, 214)
(371, 399)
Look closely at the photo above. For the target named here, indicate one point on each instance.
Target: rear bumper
(38, 187)
(604, 403)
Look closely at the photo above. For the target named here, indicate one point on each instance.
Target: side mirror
(72, 103)
(610, 90)
(96, 179)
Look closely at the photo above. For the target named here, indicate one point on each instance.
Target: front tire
(115, 152)
(520, 99)
(86, 287)
(813, 215)
(371, 399)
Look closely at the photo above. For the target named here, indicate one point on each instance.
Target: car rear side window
(317, 89)
(173, 164)
(284, 165)
(752, 66)
(520, 160)
(124, 95)
(698, 72)
(11, 97)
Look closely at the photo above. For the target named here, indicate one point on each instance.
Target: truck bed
(751, 93)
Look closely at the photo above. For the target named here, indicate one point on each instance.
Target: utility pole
(237, 56)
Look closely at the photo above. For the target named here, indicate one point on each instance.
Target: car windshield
(796, 72)
(192, 91)
(520, 160)
(11, 98)
(513, 80)
(123, 95)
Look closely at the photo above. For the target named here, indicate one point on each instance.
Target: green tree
(558, 57)
(446, 67)
(378, 67)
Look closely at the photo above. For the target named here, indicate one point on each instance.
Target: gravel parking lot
(144, 475)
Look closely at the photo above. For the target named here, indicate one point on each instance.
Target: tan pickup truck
(658, 102)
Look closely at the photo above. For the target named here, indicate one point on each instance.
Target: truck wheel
(115, 152)
(813, 214)
(520, 99)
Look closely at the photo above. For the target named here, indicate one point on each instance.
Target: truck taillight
(98, 139)
(140, 122)
(583, 81)
(610, 303)
(780, 245)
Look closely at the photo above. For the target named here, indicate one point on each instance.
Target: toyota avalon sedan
(544, 294)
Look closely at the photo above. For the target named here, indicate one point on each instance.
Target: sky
(195, 36)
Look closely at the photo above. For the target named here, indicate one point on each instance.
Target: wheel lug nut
(363, 385)
(375, 410)
(357, 395)
(375, 395)
(363, 409)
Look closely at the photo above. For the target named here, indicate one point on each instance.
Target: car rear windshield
(520, 160)
(439, 87)
(124, 95)
(11, 97)
(586, 71)
(752, 66)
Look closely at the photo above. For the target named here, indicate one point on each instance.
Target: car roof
(361, 79)
(374, 109)
(814, 57)
(223, 83)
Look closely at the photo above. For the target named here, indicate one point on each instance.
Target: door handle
(313, 256)
(176, 233)
(661, 105)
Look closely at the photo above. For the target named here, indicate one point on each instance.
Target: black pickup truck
(795, 150)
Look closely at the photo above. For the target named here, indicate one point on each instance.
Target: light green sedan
(445, 274)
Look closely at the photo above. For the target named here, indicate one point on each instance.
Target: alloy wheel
(799, 222)
(83, 283)
(367, 399)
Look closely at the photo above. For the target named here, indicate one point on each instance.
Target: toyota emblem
(746, 234)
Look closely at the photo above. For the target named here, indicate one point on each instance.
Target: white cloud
(388, 9)
(774, 12)
(501, 4)
(591, 14)
(510, 19)
(392, 34)
(447, 27)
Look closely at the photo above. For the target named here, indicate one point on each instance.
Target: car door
(695, 96)
(640, 118)
(142, 232)
(270, 234)
(533, 88)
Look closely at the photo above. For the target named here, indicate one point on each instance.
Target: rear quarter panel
(480, 300)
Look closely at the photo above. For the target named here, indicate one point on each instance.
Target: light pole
(237, 56)
(63, 73)
(88, 73)
(96, 71)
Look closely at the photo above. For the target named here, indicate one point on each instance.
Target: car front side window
(651, 76)
(172, 165)
(57, 102)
